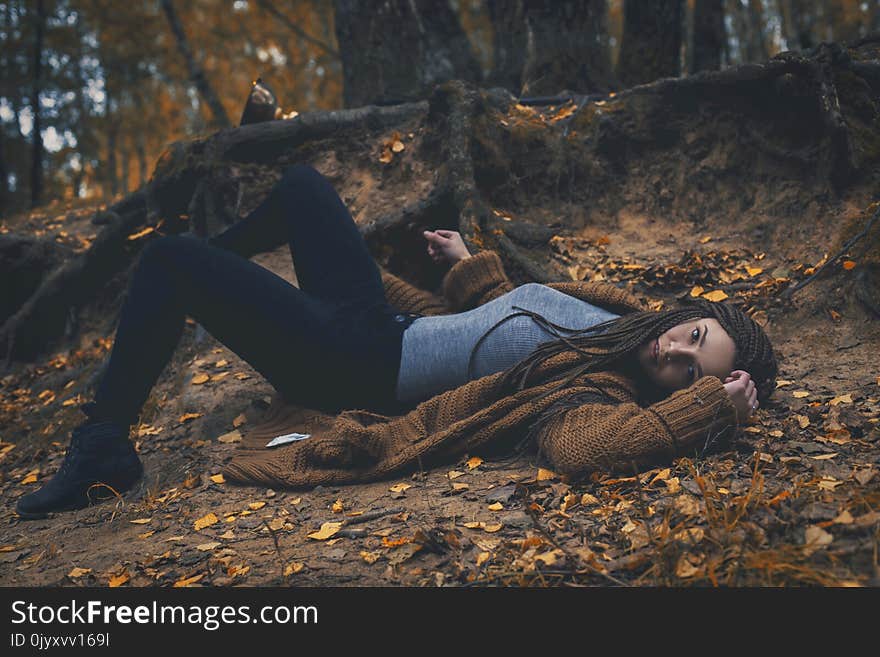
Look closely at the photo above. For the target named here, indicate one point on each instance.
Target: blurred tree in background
(92, 90)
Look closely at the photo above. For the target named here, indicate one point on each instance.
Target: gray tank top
(438, 351)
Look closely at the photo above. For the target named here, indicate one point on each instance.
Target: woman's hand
(743, 394)
(445, 246)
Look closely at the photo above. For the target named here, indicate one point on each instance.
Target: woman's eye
(697, 336)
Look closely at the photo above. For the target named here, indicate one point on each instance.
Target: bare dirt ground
(794, 499)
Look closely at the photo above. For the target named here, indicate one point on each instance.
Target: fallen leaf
(327, 530)
(844, 518)
(386, 156)
(814, 538)
(497, 506)
(800, 394)
(187, 581)
(829, 483)
(140, 521)
(841, 399)
(544, 475)
(754, 271)
(118, 580)
(494, 527)
(473, 462)
(78, 572)
(337, 506)
(715, 295)
(395, 542)
(399, 488)
(705, 239)
(824, 457)
(293, 567)
(239, 420)
(848, 264)
(460, 486)
(276, 523)
(205, 521)
(397, 146)
(454, 474)
(673, 485)
(147, 534)
(221, 363)
(688, 566)
(586, 498)
(803, 421)
(218, 479)
(227, 535)
(783, 382)
(776, 433)
(549, 558)
(29, 479)
(256, 506)
(207, 547)
(198, 379)
(482, 558)
(370, 557)
(188, 416)
(697, 290)
(231, 437)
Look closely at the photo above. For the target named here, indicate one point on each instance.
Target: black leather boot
(100, 457)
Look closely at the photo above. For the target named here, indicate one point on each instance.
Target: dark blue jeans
(333, 343)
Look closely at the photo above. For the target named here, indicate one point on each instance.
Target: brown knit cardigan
(359, 445)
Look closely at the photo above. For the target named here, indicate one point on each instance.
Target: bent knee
(167, 245)
(298, 173)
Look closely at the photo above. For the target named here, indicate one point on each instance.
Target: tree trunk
(125, 161)
(196, 74)
(509, 45)
(756, 31)
(109, 178)
(395, 50)
(651, 43)
(709, 35)
(141, 150)
(37, 153)
(568, 47)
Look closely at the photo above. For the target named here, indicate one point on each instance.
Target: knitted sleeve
(606, 295)
(474, 281)
(612, 436)
(411, 299)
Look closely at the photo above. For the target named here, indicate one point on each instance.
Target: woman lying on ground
(582, 369)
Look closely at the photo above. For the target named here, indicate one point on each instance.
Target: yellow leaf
(803, 421)
(78, 572)
(497, 506)
(293, 567)
(454, 474)
(586, 498)
(370, 557)
(783, 382)
(147, 534)
(460, 486)
(256, 506)
(227, 535)
(492, 528)
(221, 363)
(841, 399)
(337, 506)
(703, 240)
(140, 521)
(238, 421)
(697, 290)
(207, 547)
(482, 558)
(686, 568)
(218, 479)
(399, 488)
(473, 462)
(673, 485)
(824, 457)
(386, 156)
(776, 433)
(231, 437)
(474, 525)
(397, 146)
(829, 483)
(845, 518)
(848, 264)
(198, 379)
(219, 377)
(569, 501)
(118, 580)
(205, 521)
(544, 474)
(549, 558)
(30, 479)
(800, 394)
(188, 416)
(754, 271)
(186, 581)
(715, 295)
(327, 530)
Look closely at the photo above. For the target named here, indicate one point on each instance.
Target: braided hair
(613, 345)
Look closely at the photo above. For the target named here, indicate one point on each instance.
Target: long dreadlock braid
(617, 340)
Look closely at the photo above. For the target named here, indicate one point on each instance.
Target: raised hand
(445, 246)
(743, 394)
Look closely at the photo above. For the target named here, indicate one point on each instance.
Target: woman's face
(686, 352)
